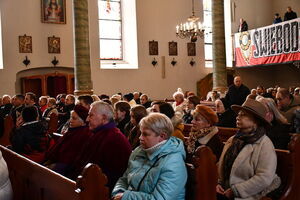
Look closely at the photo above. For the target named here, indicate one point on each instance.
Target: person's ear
(163, 136)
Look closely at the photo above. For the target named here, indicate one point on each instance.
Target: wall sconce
(54, 61)
(26, 61)
(154, 62)
(192, 62)
(173, 62)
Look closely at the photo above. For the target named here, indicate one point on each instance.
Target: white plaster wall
(156, 20)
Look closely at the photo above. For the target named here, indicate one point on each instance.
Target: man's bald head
(237, 81)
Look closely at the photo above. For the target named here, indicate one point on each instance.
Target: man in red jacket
(107, 147)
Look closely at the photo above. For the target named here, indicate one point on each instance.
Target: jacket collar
(109, 125)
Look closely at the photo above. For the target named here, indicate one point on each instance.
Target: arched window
(117, 34)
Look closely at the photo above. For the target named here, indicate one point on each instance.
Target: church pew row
(224, 132)
(36, 182)
(8, 127)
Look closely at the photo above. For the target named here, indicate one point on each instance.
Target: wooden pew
(35, 182)
(53, 123)
(202, 175)
(225, 133)
(8, 127)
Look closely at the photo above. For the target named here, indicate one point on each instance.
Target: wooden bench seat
(35, 182)
(202, 175)
(8, 127)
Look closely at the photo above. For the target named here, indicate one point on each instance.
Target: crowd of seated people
(149, 140)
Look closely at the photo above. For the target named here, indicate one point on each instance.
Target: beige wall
(156, 20)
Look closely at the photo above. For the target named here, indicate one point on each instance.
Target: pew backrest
(288, 169)
(202, 175)
(8, 127)
(53, 123)
(225, 133)
(36, 182)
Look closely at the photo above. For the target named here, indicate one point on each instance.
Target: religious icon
(191, 49)
(53, 44)
(173, 48)
(153, 48)
(25, 44)
(53, 11)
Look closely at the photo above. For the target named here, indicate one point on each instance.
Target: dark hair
(194, 100)
(87, 99)
(20, 97)
(107, 101)
(103, 96)
(128, 96)
(277, 14)
(32, 96)
(167, 109)
(139, 112)
(29, 113)
(123, 106)
(157, 103)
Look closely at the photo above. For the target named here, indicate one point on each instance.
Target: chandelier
(191, 29)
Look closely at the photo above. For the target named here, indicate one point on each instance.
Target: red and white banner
(278, 43)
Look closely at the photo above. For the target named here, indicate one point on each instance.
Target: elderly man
(287, 103)
(237, 92)
(107, 147)
(290, 14)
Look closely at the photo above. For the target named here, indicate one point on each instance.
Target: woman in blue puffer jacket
(156, 169)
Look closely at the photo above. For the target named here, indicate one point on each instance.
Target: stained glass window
(110, 29)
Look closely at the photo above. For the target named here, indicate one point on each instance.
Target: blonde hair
(158, 123)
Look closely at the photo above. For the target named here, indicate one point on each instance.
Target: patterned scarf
(194, 136)
(239, 141)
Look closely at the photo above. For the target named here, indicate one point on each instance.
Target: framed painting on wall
(53, 11)
(173, 48)
(25, 44)
(153, 48)
(53, 44)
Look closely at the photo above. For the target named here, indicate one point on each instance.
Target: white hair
(103, 108)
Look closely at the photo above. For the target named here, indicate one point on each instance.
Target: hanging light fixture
(191, 29)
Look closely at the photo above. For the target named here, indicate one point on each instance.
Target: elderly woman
(70, 145)
(50, 109)
(204, 132)
(6, 192)
(156, 169)
(248, 162)
(280, 129)
(136, 114)
(179, 104)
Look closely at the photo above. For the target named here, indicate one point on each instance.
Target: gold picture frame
(54, 45)
(25, 44)
(53, 11)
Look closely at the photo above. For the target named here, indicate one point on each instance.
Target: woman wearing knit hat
(70, 145)
(179, 104)
(204, 131)
(248, 162)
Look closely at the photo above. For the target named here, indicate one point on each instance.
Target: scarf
(194, 136)
(151, 150)
(239, 141)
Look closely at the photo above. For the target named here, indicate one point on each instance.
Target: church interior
(150, 99)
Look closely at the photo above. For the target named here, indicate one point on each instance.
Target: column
(83, 82)
(219, 53)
